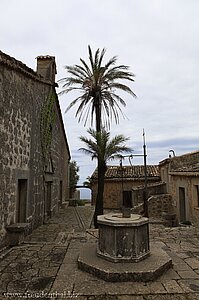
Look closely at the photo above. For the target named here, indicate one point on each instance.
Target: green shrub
(80, 203)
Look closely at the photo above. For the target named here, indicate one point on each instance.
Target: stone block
(16, 233)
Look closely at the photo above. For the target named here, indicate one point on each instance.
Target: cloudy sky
(157, 39)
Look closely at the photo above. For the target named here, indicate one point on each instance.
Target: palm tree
(97, 84)
(104, 149)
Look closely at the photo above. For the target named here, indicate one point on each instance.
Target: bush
(80, 203)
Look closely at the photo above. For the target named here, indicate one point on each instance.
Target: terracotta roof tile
(191, 168)
(188, 162)
(129, 172)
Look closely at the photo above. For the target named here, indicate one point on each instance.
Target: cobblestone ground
(29, 270)
(45, 266)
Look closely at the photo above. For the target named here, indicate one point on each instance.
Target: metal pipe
(146, 213)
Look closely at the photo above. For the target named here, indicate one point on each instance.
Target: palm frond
(101, 58)
(91, 56)
(83, 110)
(88, 71)
(67, 90)
(73, 103)
(77, 72)
(112, 61)
(91, 145)
(123, 87)
(96, 60)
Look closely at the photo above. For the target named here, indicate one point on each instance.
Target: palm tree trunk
(100, 192)
(101, 167)
(98, 113)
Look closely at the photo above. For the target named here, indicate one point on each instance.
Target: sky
(157, 39)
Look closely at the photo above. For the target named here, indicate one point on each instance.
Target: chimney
(46, 67)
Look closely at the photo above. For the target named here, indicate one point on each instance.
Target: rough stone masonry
(31, 186)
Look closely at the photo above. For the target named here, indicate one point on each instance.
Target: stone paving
(32, 267)
(45, 266)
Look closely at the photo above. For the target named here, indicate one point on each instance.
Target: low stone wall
(160, 204)
(152, 189)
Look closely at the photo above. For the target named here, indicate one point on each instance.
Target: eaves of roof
(184, 173)
(155, 178)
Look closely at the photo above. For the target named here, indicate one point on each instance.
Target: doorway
(48, 198)
(127, 199)
(21, 201)
(60, 193)
(182, 204)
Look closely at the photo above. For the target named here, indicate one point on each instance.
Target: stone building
(119, 183)
(181, 174)
(34, 152)
(172, 188)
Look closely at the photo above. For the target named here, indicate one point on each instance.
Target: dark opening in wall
(22, 201)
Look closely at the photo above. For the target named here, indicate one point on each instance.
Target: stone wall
(152, 189)
(158, 200)
(23, 193)
(113, 190)
(159, 204)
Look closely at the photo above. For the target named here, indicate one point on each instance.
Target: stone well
(123, 239)
(122, 252)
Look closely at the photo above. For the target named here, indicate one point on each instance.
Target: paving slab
(181, 266)
(192, 262)
(172, 286)
(188, 274)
